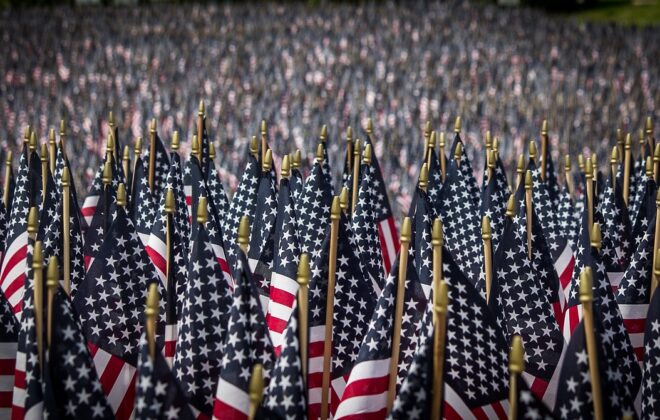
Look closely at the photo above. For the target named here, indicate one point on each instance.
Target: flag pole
(486, 237)
(516, 367)
(243, 231)
(649, 130)
(7, 181)
(656, 245)
(423, 181)
(520, 170)
(111, 125)
(303, 311)
(398, 314)
(589, 175)
(107, 183)
(656, 272)
(626, 168)
(169, 211)
(533, 152)
(296, 159)
(594, 172)
(356, 172)
(431, 147)
(264, 144)
(52, 150)
(443, 158)
(343, 200)
(440, 304)
(256, 389)
(137, 151)
(642, 144)
(62, 137)
(335, 215)
(620, 142)
(33, 223)
(614, 166)
(152, 154)
(151, 315)
(201, 110)
(656, 162)
(580, 163)
(349, 149)
(427, 136)
(586, 299)
(38, 297)
(529, 184)
(44, 170)
(490, 163)
(52, 278)
(126, 164)
(567, 175)
(458, 153)
(66, 234)
(649, 167)
(544, 147)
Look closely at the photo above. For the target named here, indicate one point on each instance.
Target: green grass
(622, 11)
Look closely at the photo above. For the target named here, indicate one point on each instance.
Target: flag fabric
(353, 305)
(247, 343)
(530, 407)
(421, 249)
(206, 299)
(4, 217)
(646, 207)
(297, 182)
(158, 394)
(9, 331)
(262, 232)
(633, 293)
(636, 190)
(100, 224)
(522, 307)
(283, 282)
(389, 237)
(494, 198)
(313, 211)
(366, 389)
(73, 380)
(566, 218)
(285, 396)
(161, 167)
(93, 196)
(142, 204)
(14, 263)
(217, 197)
(110, 301)
(244, 201)
(651, 376)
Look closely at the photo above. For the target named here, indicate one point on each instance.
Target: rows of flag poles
(161, 297)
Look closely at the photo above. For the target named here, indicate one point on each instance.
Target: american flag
(73, 380)
(143, 202)
(650, 382)
(244, 201)
(94, 194)
(247, 343)
(217, 196)
(110, 301)
(4, 216)
(530, 407)
(313, 211)
(283, 283)
(206, 297)
(421, 249)
(435, 180)
(645, 204)
(353, 305)
(466, 170)
(633, 293)
(296, 183)
(614, 336)
(327, 170)
(262, 240)
(12, 186)
(161, 167)
(566, 217)
(551, 184)
(574, 394)
(9, 329)
(365, 238)
(366, 390)
(389, 237)
(158, 394)
(101, 222)
(28, 395)
(522, 307)
(494, 197)
(285, 396)
(14, 263)
(638, 181)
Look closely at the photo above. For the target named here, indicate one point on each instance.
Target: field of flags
(163, 297)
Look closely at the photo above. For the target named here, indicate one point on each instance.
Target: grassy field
(622, 11)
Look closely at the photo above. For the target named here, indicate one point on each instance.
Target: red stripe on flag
(17, 413)
(635, 325)
(501, 413)
(110, 373)
(226, 412)
(479, 413)
(5, 399)
(157, 259)
(449, 413)
(14, 259)
(368, 386)
(538, 387)
(125, 409)
(88, 211)
(282, 297)
(375, 415)
(19, 379)
(7, 366)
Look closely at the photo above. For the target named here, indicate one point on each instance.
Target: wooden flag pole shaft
(303, 312)
(544, 147)
(66, 234)
(528, 211)
(590, 192)
(256, 390)
(443, 158)
(335, 214)
(356, 174)
(439, 320)
(398, 311)
(626, 169)
(516, 367)
(586, 298)
(7, 181)
(38, 298)
(152, 154)
(488, 254)
(656, 244)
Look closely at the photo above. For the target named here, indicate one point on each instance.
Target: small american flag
(243, 202)
(313, 211)
(217, 196)
(161, 168)
(9, 328)
(494, 197)
(247, 343)
(296, 183)
(650, 383)
(93, 195)
(143, 203)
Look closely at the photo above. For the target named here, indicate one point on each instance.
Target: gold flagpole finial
(263, 128)
(151, 316)
(581, 163)
(406, 229)
(51, 137)
(254, 146)
(107, 173)
(432, 140)
(614, 156)
(169, 201)
(649, 126)
(126, 154)
(201, 110)
(442, 140)
(544, 128)
(532, 150)
(62, 129)
(110, 144)
(343, 199)
(586, 285)
(457, 125)
(319, 153)
(297, 158)
(121, 195)
(10, 157)
(335, 209)
(211, 150)
(324, 133)
(529, 182)
(256, 389)
(244, 233)
(520, 167)
(516, 356)
(370, 126)
(649, 166)
(33, 222)
(267, 164)
(496, 145)
(511, 206)
(595, 237)
(304, 273)
(458, 153)
(567, 163)
(427, 130)
(152, 126)
(194, 148)
(488, 141)
(111, 120)
(33, 141)
(641, 138)
(349, 134)
(65, 177)
(202, 212)
(175, 141)
(437, 236)
(423, 177)
(137, 148)
(43, 155)
(285, 169)
(366, 155)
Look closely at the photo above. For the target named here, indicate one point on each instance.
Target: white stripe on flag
(361, 405)
(35, 412)
(8, 350)
(121, 386)
(282, 282)
(233, 396)
(456, 402)
(6, 383)
(389, 241)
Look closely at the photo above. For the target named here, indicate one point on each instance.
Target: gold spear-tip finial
(202, 211)
(437, 236)
(357, 148)
(264, 128)
(427, 129)
(516, 356)
(65, 176)
(137, 148)
(488, 140)
(366, 155)
(107, 172)
(641, 138)
(544, 128)
(244, 233)
(62, 128)
(335, 209)
(175, 141)
(211, 150)
(520, 167)
(567, 163)
(285, 169)
(33, 221)
(304, 273)
(511, 206)
(256, 386)
(297, 158)
(432, 140)
(614, 157)
(33, 141)
(349, 134)
(457, 125)
(649, 126)
(9, 158)
(319, 153)
(201, 110)
(423, 177)
(486, 233)
(26, 133)
(37, 257)
(343, 198)
(588, 168)
(581, 162)
(619, 137)
(195, 145)
(656, 153)
(254, 146)
(51, 136)
(44, 153)
(496, 145)
(491, 158)
(151, 309)
(442, 139)
(458, 152)
(406, 229)
(267, 164)
(628, 143)
(649, 166)
(152, 126)
(532, 150)
(586, 285)
(529, 182)
(370, 126)
(324, 133)
(110, 144)
(595, 237)
(111, 120)
(121, 195)
(169, 201)
(52, 273)
(126, 154)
